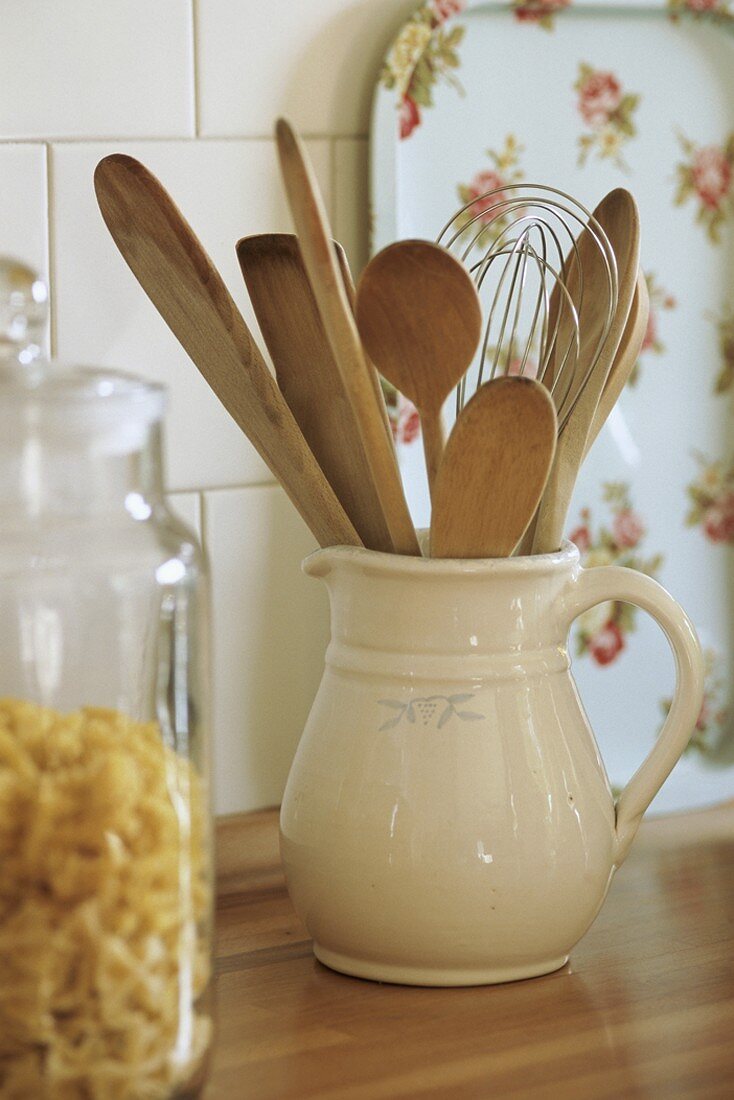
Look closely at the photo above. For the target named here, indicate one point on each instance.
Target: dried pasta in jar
(105, 902)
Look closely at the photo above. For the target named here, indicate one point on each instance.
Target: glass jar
(105, 837)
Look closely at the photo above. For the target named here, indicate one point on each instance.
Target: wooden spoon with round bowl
(420, 321)
(494, 470)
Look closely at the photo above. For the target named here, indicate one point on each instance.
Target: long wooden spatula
(309, 217)
(173, 269)
(309, 379)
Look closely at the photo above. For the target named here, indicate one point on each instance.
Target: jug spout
(320, 563)
(473, 608)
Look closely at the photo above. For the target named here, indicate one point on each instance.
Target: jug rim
(319, 563)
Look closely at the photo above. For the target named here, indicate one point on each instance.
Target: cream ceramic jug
(447, 819)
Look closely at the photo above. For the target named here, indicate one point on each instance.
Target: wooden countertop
(644, 1009)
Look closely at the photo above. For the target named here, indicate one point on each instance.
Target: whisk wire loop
(528, 270)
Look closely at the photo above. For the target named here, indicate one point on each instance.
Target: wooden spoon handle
(173, 269)
(627, 356)
(321, 264)
(434, 442)
(618, 214)
(351, 293)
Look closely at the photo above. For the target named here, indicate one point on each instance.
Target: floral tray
(474, 95)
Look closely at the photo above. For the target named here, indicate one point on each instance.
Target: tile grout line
(203, 520)
(333, 204)
(50, 253)
(195, 69)
(132, 139)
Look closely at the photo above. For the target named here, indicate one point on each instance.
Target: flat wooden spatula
(494, 470)
(175, 272)
(308, 376)
(327, 283)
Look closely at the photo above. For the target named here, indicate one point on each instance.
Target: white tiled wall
(192, 88)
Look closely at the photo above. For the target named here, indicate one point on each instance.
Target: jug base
(433, 976)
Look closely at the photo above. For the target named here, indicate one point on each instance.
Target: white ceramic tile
(351, 200)
(187, 507)
(270, 633)
(314, 62)
(86, 69)
(226, 190)
(23, 204)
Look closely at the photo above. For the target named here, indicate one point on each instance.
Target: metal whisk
(520, 243)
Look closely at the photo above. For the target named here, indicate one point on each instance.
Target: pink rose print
(627, 528)
(504, 172)
(528, 368)
(705, 175)
(714, 717)
(484, 181)
(660, 300)
(403, 416)
(606, 644)
(600, 93)
(608, 112)
(651, 332)
(424, 54)
(602, 631)
(409, 422)
(711, 495)
(409, 116)
(581, 536)
(704, 715)
(538, 11)
(718, 519)
(697, 7)
(445, 9)
(711, 175)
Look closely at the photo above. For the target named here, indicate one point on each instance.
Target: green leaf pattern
(425, 53)
(429, 710)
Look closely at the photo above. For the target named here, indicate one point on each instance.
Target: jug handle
(613, 582)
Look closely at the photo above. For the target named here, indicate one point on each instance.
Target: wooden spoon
(311, 224)
(583, 267)
(617, 214)
(624, 361)
(494, 470)
(308, 376)
(627, 355)
(420, 320)
(173, 269)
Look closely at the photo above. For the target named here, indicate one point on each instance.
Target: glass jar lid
(77, 398)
